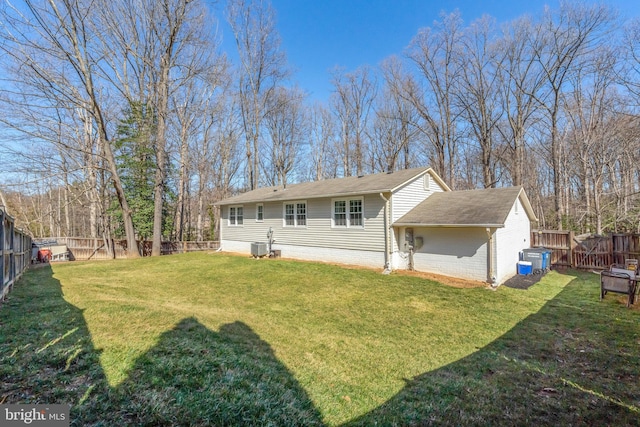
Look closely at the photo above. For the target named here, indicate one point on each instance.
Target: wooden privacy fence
(592, 253)
(83, 249)
(15, 253)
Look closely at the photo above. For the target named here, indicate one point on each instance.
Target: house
(401, 220)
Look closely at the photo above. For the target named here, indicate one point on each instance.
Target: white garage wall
(458, 252)
(510, 240)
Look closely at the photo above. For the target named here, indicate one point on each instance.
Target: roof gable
(471, 208)
(348, 186)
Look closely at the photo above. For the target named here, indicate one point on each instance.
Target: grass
(215, 339)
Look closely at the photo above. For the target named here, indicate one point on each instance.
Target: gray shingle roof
(472, 208)
(353, 185)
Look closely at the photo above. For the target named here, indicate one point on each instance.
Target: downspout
(387, 236)
(490, 257)
(220, 217)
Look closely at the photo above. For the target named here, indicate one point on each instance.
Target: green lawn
(215, 339)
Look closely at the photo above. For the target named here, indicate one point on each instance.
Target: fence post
(14, 247)
(2, 263)
(572, 244)
(12, 254)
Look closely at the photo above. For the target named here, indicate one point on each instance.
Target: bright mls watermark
(34, 415)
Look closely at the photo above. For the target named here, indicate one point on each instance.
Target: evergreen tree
(136, 163)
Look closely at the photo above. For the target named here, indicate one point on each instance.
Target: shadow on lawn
(549, 369)
(46, 353)
(193, 376)
(574, 362)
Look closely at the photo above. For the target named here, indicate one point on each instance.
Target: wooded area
(125, 119)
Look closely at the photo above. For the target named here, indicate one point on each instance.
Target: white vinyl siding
(408, 197)
(412, 194)
(318, 231)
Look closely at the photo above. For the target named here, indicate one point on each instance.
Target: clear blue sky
(319, 35)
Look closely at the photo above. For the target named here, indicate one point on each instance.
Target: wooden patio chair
(618, 282)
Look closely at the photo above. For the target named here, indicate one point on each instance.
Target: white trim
(429, 171)
(427, 225)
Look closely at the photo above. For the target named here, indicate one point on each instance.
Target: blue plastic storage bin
(524, 267)
(540, 258)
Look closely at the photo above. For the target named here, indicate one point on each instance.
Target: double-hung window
(355, 213)
(295, 214)
(340, 213)
(301, 214)
(236, 215)
(259, 212)
(348, 212)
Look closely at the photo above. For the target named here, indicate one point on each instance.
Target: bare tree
(591, 107)
(394, 130)
(322, 141)
(262, 67)
(352, 99)
(629, 74)
(477, 91)
(195, 106)
(287, 130)
(561, 39)
(54, 64)
(221, 138)
(521, 79)
(433, 52)
(151, 49)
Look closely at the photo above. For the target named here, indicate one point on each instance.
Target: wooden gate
(593, 253)
(560, 243)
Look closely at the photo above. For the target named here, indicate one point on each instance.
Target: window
(301, 214)
(427, 181)
(348, 213)
(289, 217)
(340, 213)
(235, 215)
(259, 212)
(295, 214)
(355, 213)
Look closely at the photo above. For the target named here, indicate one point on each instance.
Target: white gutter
(231, 201)
(409, 224)
(387, 235)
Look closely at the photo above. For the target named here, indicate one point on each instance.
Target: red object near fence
(44, 255)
